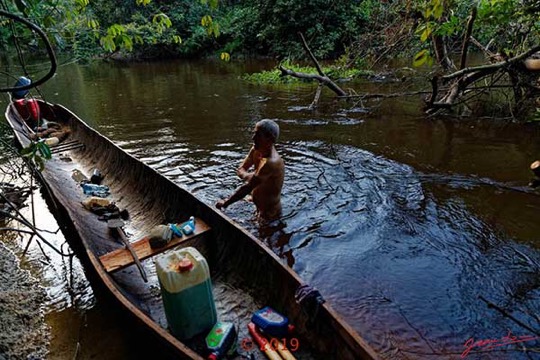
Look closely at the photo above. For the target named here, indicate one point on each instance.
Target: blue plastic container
(186, 289)
(188, 227)
(21, 94)
(271, 322)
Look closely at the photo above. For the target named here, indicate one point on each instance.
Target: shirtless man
(266, 181)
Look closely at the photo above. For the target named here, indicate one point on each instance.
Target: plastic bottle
(102, 194)
(96, 177)
(175, 230)
(93, 188)
(221, 340)
(189, 226)
(78, 176)
(52, 141)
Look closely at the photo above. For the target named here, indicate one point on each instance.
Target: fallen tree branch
(308, 50)
(322, 79)
(385, 96)
(466, 39)
(435, 89)
(489, 53)
(492, 67)
(316, 98)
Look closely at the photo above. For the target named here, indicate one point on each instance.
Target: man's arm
(255, 180)
(242, 171)
(240, 193)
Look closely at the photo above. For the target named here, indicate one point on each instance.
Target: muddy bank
(23, 332)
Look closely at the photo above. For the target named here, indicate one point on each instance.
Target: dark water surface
(402, 222)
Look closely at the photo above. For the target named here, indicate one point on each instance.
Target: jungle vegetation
(437, 34)
(359, 30)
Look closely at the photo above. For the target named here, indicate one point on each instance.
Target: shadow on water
(400, 222)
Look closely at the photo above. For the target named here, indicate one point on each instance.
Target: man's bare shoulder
(274, 161)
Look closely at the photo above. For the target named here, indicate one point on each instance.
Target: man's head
(266, 134)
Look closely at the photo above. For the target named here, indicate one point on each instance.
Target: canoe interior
(246, 276)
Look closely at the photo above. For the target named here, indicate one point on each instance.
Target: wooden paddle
(264, 345)
(116, 226)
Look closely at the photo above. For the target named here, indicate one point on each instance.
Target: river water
(406, 224)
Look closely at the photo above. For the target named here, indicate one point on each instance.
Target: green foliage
(349, 30)
(212, 27)
(274, 76)
(510, 25)
(90, 27)
(37, 152)
(225, 56)
(421, 58)
(271, 27)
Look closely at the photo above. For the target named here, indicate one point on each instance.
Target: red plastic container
(28, 109)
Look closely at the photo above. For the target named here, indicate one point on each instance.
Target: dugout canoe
(246, 275)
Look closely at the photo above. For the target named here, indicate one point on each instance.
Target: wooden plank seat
(121, 258)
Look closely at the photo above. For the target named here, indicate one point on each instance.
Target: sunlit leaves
(212, 27)
(206, 21)
(425, 31)
(225, 56)
(116, 29)
(143, 2)
(162, 19)
(126, 42)
(81, 4)
(421, 58)
(161, 22)
(107, 42)
(116, 36)
(138, 39)
(434, 9)
(92, 24)
(89, 27)
(433, 12)
(213, 30)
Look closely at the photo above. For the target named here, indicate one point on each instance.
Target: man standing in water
(266, 181)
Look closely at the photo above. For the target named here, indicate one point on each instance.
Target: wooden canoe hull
(153, 199)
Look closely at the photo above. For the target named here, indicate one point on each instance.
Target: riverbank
(23, 331)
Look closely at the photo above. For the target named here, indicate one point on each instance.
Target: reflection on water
(401, 222)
